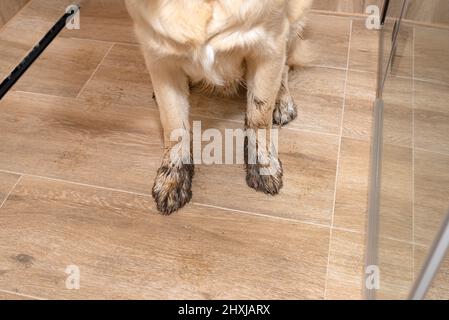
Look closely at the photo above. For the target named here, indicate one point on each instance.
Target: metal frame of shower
(440, 247)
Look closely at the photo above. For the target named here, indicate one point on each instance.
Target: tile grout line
(76, 183)
(431, 81)
(281, 128)
(446, 154)
(102, 41)
(361, 71)
(216, 118)
(40, 94)
(95, 71)
(338, 160)
(348, 230)
(334, 135)
(212, 118)
(195, 203)
(311, 132)
(2, 28)
(10, 191)
(149, 195)
(278, 218)
(323, 66)
(403, 241)
(262, 215)
(21, 294)
(427, 81)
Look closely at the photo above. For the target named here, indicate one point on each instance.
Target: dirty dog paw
(284, 112)
(172, 188)
(265, 178)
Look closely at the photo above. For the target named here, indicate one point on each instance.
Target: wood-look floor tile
(7, 182)
(396, 270)
(309, 162)
(346, 266)
(121, 78)
(432, 116)
(63, 138)
(431, 194)
(434, 11)
(439, 289)
(328, 37)
(226, 108)
(318, 92)
(398, 111)
(359, 103)
(402, 63)
(24, 31)
(5, 296)
(32, 23)
(124, 249)
(9, 8)
(360, 97)
(351, 6)
(351, 203)
(395, 207)
(12, 54)
(432, 54)
(106, 20)
(64, 68)
(364, 52)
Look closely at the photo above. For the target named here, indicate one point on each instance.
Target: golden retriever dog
(221, 44)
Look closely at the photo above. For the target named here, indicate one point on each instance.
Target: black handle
(23, 66)
(385, 7)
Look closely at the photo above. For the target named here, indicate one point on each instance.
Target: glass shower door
(412, 189)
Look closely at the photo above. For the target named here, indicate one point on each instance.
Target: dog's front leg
(263, 168)
(173, 185)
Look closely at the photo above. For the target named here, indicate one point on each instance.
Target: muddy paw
(172, 188)
(284, 112)
(267, 179)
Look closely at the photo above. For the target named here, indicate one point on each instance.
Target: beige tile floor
(81, 142)
(9, 8)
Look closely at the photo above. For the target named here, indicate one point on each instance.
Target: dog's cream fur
(220, 44)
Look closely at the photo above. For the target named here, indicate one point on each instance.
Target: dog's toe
(267, 179)
(285, 112)
(172, 188)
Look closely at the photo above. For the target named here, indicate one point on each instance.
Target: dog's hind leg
(173, 184)
(285, 109)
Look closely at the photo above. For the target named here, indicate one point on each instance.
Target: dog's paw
(267, 179)
(172, 188)
(284, 112)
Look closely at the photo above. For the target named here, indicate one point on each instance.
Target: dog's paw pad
(172, 188)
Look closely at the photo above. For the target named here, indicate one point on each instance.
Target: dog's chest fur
(218, 57)
(208, 38)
